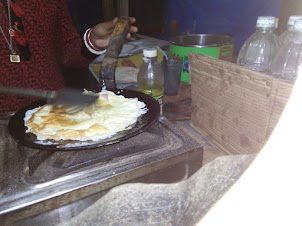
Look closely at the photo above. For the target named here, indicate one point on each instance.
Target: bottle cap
(266, 21)
(150, 52)
(298, 25)
(291, 20)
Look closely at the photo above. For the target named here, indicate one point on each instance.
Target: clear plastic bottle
(150, 77)
(285, 37)
(289, 58)
(260, 48)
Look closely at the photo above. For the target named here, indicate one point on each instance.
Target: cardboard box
(234, 108)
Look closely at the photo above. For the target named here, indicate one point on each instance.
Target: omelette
(110, 114)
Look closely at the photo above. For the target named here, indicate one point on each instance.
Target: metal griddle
(17, 129)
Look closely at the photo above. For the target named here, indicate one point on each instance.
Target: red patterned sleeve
(72, 44)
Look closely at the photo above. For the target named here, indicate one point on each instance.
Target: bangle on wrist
(89, 44)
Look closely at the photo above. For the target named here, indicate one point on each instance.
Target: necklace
(14, 58)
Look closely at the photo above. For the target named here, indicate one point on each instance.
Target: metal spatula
(64, 96)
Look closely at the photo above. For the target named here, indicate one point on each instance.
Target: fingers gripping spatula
(64, 96)
(107, 70)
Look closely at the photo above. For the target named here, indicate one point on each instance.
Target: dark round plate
(17, 129)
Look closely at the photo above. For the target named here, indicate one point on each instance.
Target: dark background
(153, 17)
(235, 17)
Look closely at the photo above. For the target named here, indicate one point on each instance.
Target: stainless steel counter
(36, 182)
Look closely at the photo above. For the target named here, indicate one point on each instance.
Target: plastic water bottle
(285, 37)
(289, 58)
(150, 77)
(260, 48)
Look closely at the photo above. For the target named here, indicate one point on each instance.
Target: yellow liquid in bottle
(155, 92)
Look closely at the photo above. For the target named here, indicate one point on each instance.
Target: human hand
(100, 34)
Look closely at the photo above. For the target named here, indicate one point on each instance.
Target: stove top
(30, 176)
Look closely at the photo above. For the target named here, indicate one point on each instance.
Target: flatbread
(108, 115)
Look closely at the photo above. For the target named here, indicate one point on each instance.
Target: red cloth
(53, 43)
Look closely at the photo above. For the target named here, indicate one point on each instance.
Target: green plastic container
(217, 46)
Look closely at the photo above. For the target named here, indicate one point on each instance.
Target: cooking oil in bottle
(155, 92)
(150, 77)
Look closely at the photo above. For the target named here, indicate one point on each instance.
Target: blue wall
(237, 17)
